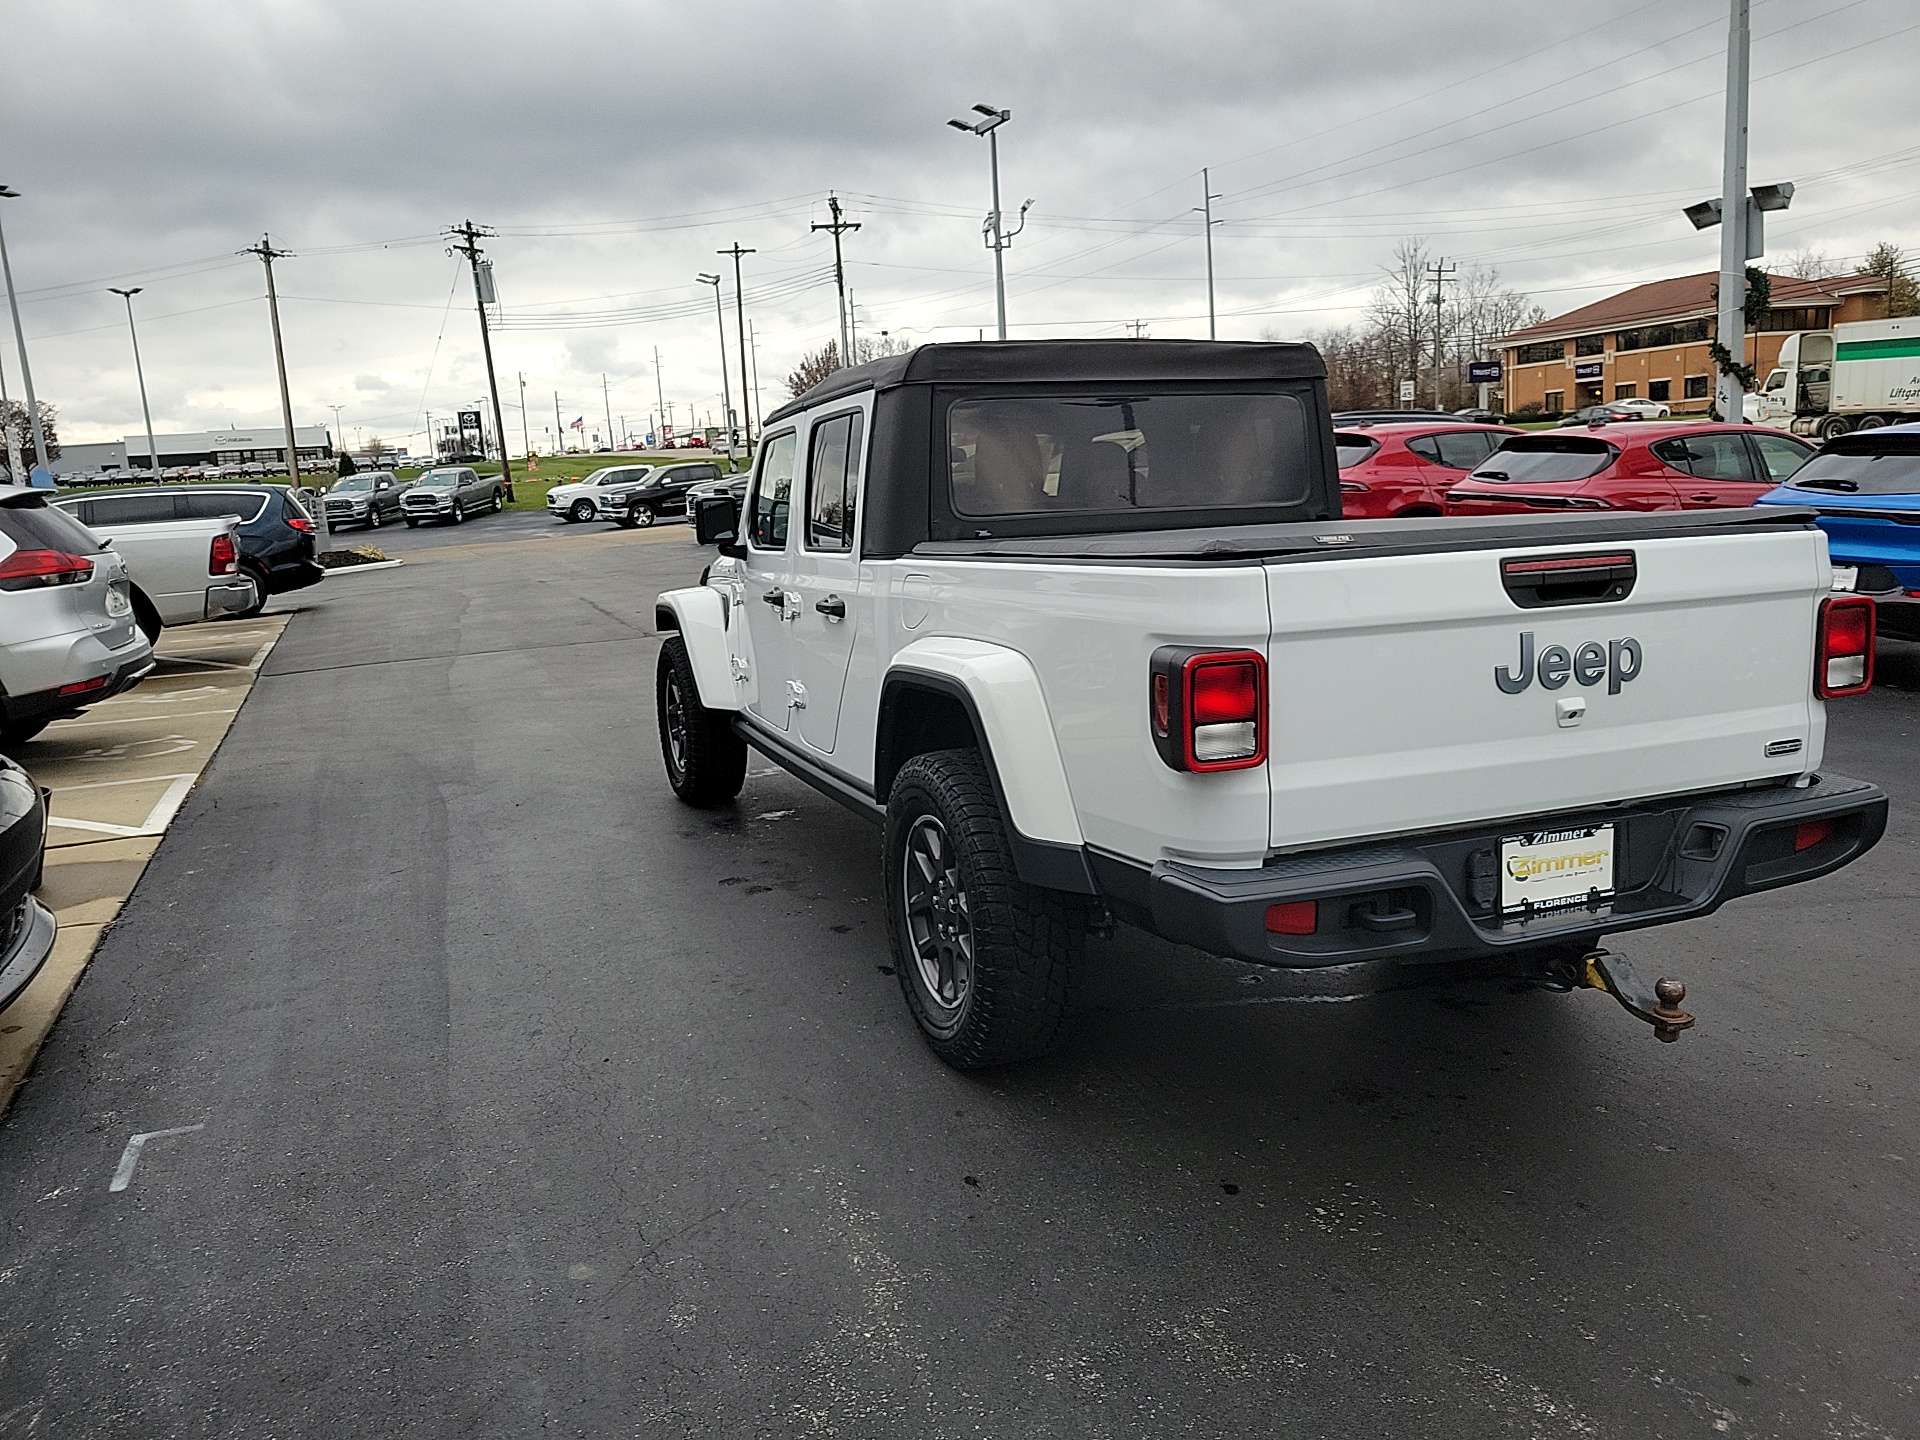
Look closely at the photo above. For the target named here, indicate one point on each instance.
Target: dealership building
(204, 447)
(1652, 342)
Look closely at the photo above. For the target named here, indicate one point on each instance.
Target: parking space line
(130, 1157)
(158, 818)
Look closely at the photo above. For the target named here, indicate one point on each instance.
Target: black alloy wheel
(706, 762)
(985, 961)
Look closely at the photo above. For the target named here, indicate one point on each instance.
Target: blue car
(1866, 488)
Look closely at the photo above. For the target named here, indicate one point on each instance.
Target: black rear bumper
(1431, 898)
(52, 705)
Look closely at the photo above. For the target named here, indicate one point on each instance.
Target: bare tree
(868, 347)
(1400, 313)
(1809, 264)
(814, 368)
(1890, 263)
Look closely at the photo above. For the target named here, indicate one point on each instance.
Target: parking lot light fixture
(153, 452)
(997, 236)
(7, 192)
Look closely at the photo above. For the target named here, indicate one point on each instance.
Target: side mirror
(716, 521)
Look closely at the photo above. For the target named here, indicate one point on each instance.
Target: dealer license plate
(1556, 869)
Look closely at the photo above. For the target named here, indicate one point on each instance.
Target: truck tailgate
(1387, 715)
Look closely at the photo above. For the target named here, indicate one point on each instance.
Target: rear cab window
(1536, 459)
(1184, 456)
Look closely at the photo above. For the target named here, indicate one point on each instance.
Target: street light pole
(526, 445)
(753, 344)
(153, 451)
(660, 392)
(997, 236)
(740, 317)
(726, 391)
(606, 400)
(7, 192)
(1733, 217)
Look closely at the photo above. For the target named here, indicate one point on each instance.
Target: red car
(1405, 468)
(1631, 465)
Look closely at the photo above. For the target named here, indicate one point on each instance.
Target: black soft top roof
(1045, 361)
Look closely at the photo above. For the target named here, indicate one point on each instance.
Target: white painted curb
(362, 569)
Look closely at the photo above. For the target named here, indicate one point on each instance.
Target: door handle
(1706, 499)
(833, 607)
(776, 598)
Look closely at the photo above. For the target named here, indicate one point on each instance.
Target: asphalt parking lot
(492, 1092)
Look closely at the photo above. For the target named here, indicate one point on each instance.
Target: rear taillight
(1843, 647)
(32, 569)
(1207, 709)
(222, 558)
(300, 522)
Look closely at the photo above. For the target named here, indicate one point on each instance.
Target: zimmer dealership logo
(1616, 662)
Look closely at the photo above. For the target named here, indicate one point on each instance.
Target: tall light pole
(559, 433)
(753, 344)
(997, 236)
(606, 399)
(740, 317)
(526, 445)
(340, 433)
(838, 228)
(1206, 210)
(153, 451)
(726, 389)
(660, 392)
(7, 192)
(468, 235)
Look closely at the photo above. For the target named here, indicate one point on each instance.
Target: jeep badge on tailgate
(1618, 661)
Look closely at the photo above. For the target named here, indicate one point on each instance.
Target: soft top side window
(772, 493)
(833, 481)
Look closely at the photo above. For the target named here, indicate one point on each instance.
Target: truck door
(826, 575)
(769, 605)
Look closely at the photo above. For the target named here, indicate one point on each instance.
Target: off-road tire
(1027, 941)
(706, 762)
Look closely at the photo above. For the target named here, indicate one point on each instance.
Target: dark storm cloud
(1557, 147)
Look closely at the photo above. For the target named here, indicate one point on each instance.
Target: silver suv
(67, 632)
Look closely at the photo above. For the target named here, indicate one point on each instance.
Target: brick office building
(1651, 342)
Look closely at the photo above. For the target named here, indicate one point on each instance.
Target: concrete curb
(357, 569)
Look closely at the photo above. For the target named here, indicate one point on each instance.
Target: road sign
(1483, 372)
(1406, 392)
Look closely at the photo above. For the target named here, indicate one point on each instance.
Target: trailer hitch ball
(1658, 1004)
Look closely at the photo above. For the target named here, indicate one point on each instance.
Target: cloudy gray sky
(616, 146)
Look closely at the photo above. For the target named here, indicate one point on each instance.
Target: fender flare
(1000, 691)
(699, 615)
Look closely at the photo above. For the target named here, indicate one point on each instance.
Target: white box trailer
(1856, 376)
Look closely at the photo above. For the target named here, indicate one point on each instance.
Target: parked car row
(631, 495)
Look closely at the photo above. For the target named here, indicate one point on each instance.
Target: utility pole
(753, 343)
(153, 451)
(726, 394)
(1206, 210)
(853, 331)
(322, 532)
(7, 192)
(607, 401)
(994, 231)
(1729, 397)
(1441, 274)
(740, 318)
(559, 435)
(469, 235)
(660, 391)
(1138, 328)
(838, 228)
(526, 445)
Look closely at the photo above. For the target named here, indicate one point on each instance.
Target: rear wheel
(247, 612)
(706, 762)
(499, 503)
(985, 960)
(1833, 427)
(1871, 422)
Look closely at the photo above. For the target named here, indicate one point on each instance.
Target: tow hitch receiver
(1658, 1004)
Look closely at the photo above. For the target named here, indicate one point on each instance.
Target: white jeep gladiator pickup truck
(1079, 623)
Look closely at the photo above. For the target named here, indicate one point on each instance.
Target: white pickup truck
(1080, 625)
(183, 571)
